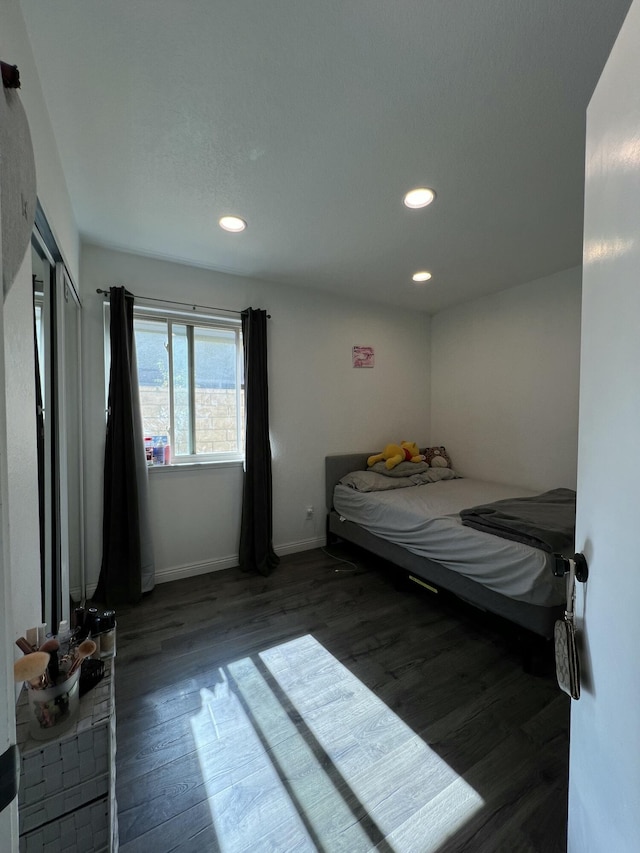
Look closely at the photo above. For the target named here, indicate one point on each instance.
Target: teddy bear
(437, 457)
(393, 454)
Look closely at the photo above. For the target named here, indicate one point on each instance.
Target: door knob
(582, 569)
(563, 565)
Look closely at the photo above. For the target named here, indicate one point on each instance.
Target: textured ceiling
(311, 119)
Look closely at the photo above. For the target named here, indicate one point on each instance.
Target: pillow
(370, 481)
(402, 469)
(434, 475)
(437, 457)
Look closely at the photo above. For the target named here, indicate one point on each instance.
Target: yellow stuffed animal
(393, 454)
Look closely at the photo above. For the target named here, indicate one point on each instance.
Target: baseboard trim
(76, 593)
(302, 545)
(204, 568)
(191, 570)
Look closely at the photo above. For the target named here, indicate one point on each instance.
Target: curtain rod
(175, 302)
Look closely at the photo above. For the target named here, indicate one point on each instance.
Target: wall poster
(363, 357)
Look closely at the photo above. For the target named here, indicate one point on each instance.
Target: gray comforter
(545, 521)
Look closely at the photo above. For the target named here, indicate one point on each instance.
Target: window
(191, 384)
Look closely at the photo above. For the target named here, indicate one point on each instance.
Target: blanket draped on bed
(545, 521)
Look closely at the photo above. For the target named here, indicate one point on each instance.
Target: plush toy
(437, 457)
(394, 454)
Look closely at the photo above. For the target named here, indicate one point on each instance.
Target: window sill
(195, 466)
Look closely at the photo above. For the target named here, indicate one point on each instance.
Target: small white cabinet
(67, 784)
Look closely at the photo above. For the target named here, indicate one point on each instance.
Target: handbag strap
(571, 590)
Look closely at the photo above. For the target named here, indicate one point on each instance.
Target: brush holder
(54, 710)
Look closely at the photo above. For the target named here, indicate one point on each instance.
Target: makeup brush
(52, 646)
(84, 650)
(31, 668)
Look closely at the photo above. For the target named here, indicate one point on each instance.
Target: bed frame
(535, 618)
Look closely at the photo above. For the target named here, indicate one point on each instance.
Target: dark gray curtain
(127, 556)
(256, 532)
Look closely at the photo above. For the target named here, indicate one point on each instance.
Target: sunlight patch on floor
(246, 796)
(284, 787)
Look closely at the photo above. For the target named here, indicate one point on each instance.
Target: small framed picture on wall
(363, 357)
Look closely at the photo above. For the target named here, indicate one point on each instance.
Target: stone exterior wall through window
(215, 421)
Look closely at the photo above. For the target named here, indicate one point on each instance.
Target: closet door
(69, 422)
(57, 320)
(42, 269)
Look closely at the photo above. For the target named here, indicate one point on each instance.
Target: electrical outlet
(309, 512)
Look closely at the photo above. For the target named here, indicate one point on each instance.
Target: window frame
(192, 320)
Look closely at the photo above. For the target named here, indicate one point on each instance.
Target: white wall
(505, 377)
(604, 771)
(319, 404)
(8, 815)
(51, 183)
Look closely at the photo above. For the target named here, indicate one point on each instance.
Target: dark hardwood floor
(334, 711)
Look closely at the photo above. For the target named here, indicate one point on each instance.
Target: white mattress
(426, 521)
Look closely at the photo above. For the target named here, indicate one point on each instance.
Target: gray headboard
(335, 467)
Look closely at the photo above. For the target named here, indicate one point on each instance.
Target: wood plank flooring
(332, 711)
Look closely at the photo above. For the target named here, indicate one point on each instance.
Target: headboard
(335, 467)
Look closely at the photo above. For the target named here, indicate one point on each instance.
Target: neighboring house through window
(190, 371)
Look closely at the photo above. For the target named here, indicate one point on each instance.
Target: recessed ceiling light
(419, 197)
(232, 223)
(423, 275)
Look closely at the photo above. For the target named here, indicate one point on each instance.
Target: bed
(419, 530)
